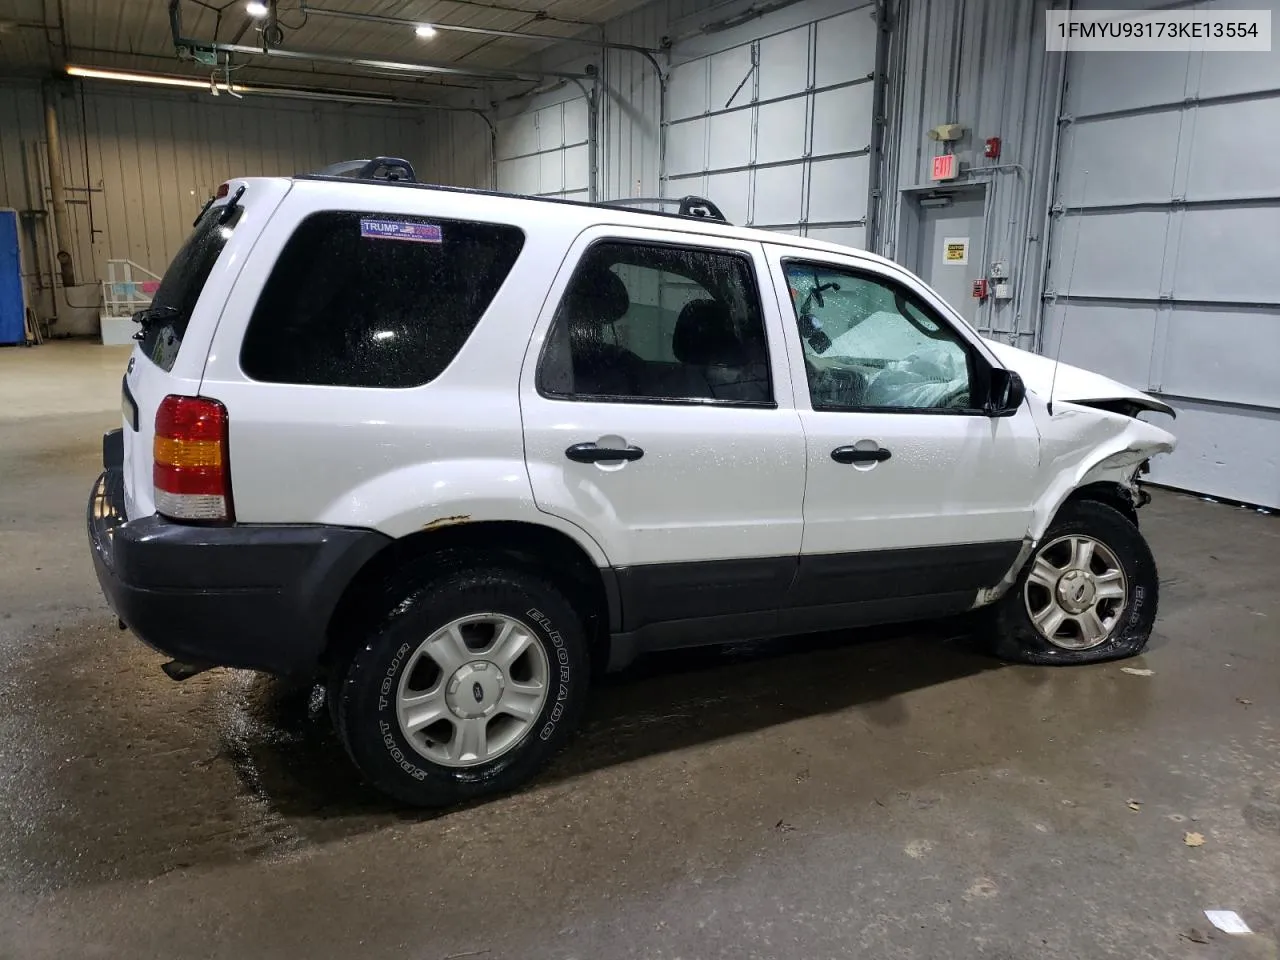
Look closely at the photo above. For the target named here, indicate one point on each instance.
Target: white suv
(449, 450)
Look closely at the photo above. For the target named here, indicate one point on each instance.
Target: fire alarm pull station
(991, 149)
(980, 289)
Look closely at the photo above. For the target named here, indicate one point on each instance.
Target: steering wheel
(900, 302)
(959, 397)
(836, 386)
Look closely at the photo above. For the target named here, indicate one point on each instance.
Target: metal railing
(128, 288)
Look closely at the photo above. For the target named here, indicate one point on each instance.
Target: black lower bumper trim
(252, 596)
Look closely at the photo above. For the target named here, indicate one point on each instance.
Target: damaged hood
(1073, 385)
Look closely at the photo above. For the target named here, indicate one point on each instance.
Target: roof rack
(378, 168)
(400, 172)
(699, 208)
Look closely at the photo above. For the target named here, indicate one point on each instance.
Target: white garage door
(1168, 201)
(773, 121)
(544, 150)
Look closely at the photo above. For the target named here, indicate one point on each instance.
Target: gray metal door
(1164, 251)
(544, 151)
(773, 120)
(950, 253)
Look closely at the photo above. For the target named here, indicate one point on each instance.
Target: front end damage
(1092, 444)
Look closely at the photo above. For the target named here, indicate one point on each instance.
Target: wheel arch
(532, 548)
(1109, 492)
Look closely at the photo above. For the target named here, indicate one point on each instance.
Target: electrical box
(1000, 270)
(1004, 291)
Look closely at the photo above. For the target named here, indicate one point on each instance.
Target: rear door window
(165, 321)
(652, 323)
(364, 300)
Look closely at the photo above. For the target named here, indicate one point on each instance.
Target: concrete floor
(881, 794)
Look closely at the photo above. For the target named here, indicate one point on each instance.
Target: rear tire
(475, 680)
(1088, 593)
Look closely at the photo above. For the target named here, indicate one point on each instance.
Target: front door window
(871, 346)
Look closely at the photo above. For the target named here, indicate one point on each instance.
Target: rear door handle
(592, 453)
(854, 455)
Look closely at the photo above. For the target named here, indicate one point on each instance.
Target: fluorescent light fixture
(425, 31)
(217, 86)
(159, 79)
(256, 8)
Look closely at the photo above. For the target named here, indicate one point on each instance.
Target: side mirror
(1007, 393)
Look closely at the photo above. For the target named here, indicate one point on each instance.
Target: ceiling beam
(391, 66)
(456, 28)
(193, 45)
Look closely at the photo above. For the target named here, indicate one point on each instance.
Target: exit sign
(944, 167)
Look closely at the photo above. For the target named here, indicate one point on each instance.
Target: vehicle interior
(655, 322)
(867, 345)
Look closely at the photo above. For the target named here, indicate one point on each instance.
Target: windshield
(165, 321)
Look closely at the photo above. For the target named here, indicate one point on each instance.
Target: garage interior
(879, 793)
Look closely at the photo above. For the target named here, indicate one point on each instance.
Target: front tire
(476, 679)
(1088, 594)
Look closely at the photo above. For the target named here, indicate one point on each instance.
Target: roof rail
(699, 208)
(378, 168)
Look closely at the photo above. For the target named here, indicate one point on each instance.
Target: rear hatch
(177, 328)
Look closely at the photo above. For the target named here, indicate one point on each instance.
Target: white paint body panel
(149, 383)
(1079, 444)
(950, 479)
(390, 460)
(715, 482)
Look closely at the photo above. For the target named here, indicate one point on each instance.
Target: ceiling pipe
(455, 28)
(351, 60)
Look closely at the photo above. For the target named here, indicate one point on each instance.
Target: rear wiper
(151, 315)
(203, 210)
(230, 208)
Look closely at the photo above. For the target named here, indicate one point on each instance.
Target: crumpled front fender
(1081, 445)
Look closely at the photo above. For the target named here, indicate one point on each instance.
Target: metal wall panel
(139, 164)
(544, 150)
(1163, 250)
(981, 64)
(773, 120)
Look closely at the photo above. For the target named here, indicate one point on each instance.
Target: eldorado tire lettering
(1136, 612)
(562, 658)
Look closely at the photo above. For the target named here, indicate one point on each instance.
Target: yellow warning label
(955, 250)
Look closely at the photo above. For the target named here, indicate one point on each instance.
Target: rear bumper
(256, 597)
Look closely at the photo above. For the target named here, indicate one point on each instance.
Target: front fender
(428, 496)
(1082, 445)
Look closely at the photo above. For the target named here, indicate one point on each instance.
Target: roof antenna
(1062, 331)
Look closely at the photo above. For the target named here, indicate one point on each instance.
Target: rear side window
(362, 300)
(165, 321)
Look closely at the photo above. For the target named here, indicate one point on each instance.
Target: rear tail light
(191, 472)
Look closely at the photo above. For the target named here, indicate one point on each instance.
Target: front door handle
(854, 455)
(593, 453)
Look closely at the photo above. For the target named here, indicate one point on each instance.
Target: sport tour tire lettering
(363, 702)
